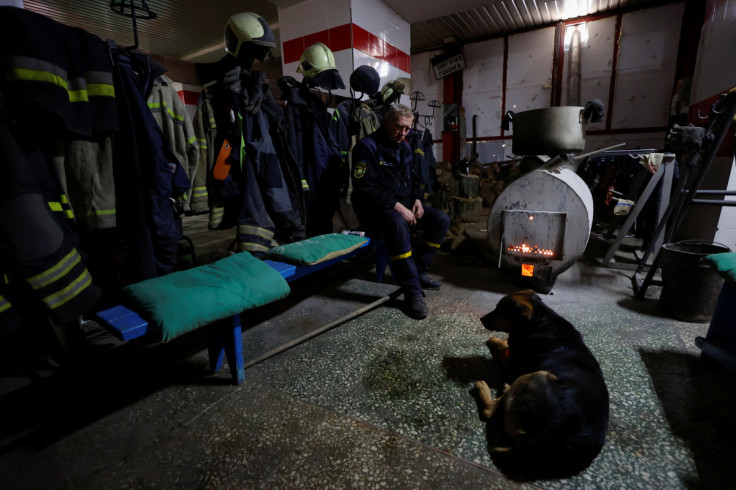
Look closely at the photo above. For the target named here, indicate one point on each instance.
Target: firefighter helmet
(317, 64)
(247, 27)
(393, 90)
(316, 59)
(365, 79)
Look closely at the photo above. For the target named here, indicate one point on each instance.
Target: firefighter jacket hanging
(170, 114)
(253, 184)
(37, 248)
(56, 82)
(57, 70)
(352, 121)
(316, 152)
(421, 147)
(148, 176)
(205, 129)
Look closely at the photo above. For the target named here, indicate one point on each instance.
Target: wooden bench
(224, 337)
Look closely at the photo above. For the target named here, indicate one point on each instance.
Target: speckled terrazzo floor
(381, 401)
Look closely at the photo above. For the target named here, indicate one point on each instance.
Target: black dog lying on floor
(553, 417)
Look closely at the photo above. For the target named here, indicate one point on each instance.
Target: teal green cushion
(724, 264)
(183, 301)
(316, 249)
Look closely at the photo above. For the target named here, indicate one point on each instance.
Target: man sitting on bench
(387, 198)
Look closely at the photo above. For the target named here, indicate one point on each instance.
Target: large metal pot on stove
(552, 130)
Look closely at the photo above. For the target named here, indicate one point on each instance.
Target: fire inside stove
(530, 250)
(533, 234)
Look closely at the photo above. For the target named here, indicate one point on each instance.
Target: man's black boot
(428, 283)
(416, 307)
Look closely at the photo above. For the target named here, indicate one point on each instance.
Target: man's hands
(418, 209)
(410, 216)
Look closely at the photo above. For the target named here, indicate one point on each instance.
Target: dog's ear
(523, 300)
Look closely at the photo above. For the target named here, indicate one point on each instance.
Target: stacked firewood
(465, 190)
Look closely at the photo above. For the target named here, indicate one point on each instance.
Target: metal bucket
(690, 288)
(549, 131)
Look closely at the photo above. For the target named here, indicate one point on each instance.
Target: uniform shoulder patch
(359, 169)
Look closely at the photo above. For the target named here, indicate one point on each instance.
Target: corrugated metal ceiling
(183, 29)
(193, 30)
(492, 18)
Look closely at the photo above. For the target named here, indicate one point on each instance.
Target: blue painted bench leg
(382, 258)
(225, 340)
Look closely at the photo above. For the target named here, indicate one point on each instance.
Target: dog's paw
(497, 344)
(488, 404)
(501, 449)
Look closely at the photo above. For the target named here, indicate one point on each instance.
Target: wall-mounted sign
(448, 62)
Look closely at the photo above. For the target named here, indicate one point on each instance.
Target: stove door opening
(533, 234)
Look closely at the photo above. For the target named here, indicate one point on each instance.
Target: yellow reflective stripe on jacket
(251, 247)
(255, 231)
(65, 295)
(57, 207)
(36, 76)
(101, 89)
(431, 244)
(94, 83)
(157, 106)
(78, 95)
(57, 271)
(4, 304)
(67, 208)
(199, 192)
(216, 214)
(402, 256)
(305, 185)
(101, 212)
(420, 151)
(99, 82)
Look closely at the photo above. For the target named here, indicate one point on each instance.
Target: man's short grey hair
(395, 111)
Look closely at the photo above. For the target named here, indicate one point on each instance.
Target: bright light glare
(575, 8)
(582, 28)
(383, 70)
